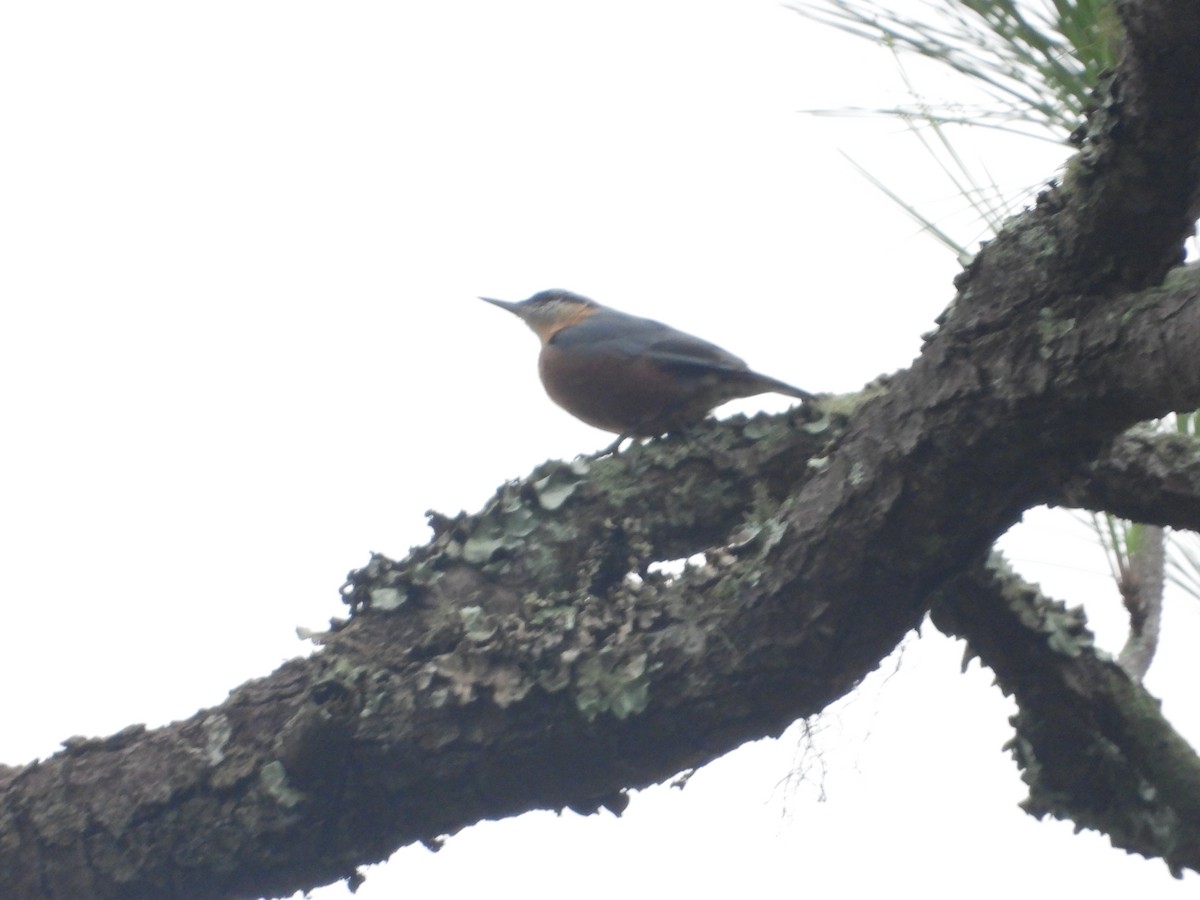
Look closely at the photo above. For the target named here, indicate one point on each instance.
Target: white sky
(240, 245)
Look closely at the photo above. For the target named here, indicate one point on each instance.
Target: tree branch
(1092, 744)
(532, 658)
(1144, 476)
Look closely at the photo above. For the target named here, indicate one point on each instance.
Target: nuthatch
(632, 376)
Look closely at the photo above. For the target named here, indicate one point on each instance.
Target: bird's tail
(775, 386)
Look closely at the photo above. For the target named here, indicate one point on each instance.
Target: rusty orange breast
(621, 394)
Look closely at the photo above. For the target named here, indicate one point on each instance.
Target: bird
(631, 376)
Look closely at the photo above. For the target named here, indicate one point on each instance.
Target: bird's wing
(611, 335)
(608, 332)
(682, 352)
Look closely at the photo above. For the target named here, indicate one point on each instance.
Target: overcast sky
(240, 347)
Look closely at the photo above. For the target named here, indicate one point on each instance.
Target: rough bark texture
(1093, 746)
(1143, 476)
(530, 656)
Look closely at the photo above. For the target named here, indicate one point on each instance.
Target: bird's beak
(503, 304)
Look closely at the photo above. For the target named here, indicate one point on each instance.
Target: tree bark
(533, 656)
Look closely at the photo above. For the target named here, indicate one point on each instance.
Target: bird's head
(548, 312)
